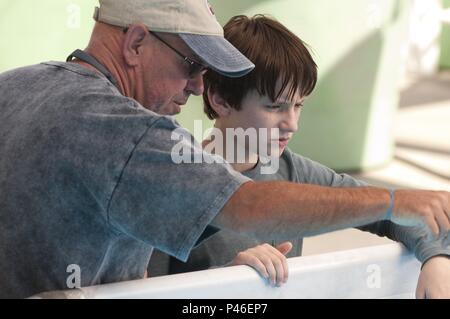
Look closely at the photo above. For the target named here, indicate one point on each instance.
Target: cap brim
(219, 54)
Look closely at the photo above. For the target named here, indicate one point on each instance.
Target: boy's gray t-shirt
(220, 249)
(87, 180)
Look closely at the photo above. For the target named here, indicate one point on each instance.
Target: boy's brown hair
(275, 51)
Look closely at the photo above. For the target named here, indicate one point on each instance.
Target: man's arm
(414, 238)
(286, 210)
(434, 279)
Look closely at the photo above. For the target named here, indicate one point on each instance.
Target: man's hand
(434, 279)
(423, 208)
(269, 261)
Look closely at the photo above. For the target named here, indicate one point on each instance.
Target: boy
(272, 97)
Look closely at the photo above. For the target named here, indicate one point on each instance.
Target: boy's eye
(284, 107)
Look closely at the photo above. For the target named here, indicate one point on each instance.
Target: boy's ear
(218, 104)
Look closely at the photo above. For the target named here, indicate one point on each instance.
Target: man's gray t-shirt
(87, 179)
(221, 248)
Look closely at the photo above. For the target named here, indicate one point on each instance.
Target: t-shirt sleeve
(165, 200)
(310, 172)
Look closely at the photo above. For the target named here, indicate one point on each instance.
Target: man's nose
(195, 85)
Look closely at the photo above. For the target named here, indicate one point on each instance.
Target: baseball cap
(193, 20)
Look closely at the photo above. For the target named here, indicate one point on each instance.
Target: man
(240, 103)
(87, 183)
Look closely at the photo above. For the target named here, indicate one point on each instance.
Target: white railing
(387, 271)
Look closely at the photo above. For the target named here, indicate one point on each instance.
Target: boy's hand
(434, 279)
(269, 261)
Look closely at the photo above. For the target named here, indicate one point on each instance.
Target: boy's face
(259, 111)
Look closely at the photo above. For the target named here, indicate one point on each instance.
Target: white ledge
(386, 271)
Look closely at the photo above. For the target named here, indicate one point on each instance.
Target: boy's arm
(434, 279)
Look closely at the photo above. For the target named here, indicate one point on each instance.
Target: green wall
(35, 31)
(347, 122)
(445, 42)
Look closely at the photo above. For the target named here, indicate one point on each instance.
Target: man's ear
(133, 43)
(218, 103)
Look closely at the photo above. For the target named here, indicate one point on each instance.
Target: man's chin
(170, 113)
(171, 110)
(168, 109)
(174, 109)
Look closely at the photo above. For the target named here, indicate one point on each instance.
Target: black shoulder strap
(83, 56)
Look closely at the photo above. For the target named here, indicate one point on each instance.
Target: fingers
(268, 261)
(274, 268)
(446, 235)
(441, 212)
(429, 208)
(433, 227)
(438, 221)
(275, 263)
(444, 223)
(285, 247)
(447, 215)
(257, 264)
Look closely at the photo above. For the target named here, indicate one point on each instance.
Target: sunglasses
(194, 68)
